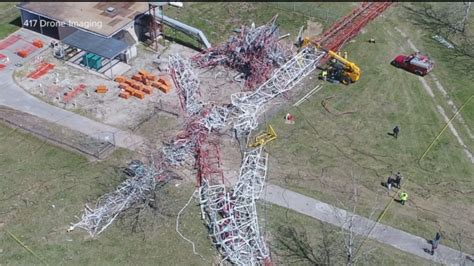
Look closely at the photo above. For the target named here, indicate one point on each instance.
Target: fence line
(19, 119)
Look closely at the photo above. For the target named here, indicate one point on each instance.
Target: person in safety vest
(403, 198)
(323, 75)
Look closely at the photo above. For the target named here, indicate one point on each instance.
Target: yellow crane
(264, 137)
(350, 72)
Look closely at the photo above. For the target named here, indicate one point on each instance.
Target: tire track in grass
(455, 133)
(438, 107)
(452, 105)
(426, 87)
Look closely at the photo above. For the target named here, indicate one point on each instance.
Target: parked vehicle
(415, 63)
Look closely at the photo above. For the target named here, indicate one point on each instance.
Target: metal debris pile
(253, 52)
(131, 191)
(249, 105)
(187, 84)
(202, 118)
(230, 215)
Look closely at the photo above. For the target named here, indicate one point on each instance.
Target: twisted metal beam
(187, 84)
(249, 104)
(232, 216)
(109, 206)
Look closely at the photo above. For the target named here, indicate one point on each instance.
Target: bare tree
(349, 221)
(450, 22)
(451, 19)
(294, 246)
(337, 245)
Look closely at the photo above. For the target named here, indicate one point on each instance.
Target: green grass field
(36, 175)
(8, 14)
(319, 154)
(218, 20)
(371, 253)
(453, 71)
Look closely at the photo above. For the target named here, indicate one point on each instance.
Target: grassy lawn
(371, 253)
(35, 176)
(319, 154)
(8, 14)
(218, 20)
(453, 71)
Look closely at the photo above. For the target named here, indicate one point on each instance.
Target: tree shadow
(293, 245)
(428, 19)
(400, 201)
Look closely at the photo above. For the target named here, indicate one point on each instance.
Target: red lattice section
(349, 26)
(72, 94)
(41, 70)
(208, 164)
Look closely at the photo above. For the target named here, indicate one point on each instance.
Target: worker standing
(403, 197)
(396, 130)
(389, 183)
(435, 242)
(398, 180)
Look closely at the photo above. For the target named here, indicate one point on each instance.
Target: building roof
(105, 47)
(90, 16)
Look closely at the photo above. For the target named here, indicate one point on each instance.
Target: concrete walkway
(17, 98)
(382, 233)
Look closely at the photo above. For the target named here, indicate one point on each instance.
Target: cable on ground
(25, 247)
(408, 178)
(177, 225)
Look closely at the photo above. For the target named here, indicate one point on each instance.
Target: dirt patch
(158, 127)
(107, 108)
(231, 159)
(313, 29)
(217, 84)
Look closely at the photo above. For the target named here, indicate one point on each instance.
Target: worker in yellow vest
(323, 75)
(403, 197)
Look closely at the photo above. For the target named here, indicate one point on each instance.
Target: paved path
(382, 233)
(15, 97)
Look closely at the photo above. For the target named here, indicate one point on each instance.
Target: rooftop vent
(110, 9)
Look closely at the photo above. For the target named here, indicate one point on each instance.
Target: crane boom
(351, 70)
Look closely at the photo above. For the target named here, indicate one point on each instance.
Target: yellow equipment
(351, 71)
(264, 138)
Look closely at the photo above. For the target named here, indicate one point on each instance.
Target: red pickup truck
(415, 63)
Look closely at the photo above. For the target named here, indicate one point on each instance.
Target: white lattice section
(232, 217)
(187, 83)
(249, 104)
(110, 205)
